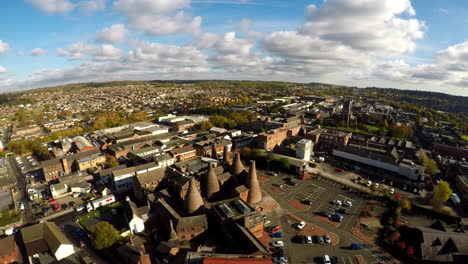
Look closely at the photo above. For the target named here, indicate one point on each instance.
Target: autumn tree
(403, 132)
(442, 192)
(104, 235)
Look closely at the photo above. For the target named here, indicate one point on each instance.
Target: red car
(56, 207)
(274, 229)
(52, 200)
(339, 170)
(301, 176)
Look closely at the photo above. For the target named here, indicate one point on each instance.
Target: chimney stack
(226, 153)
(172, 233)
(255, 194)
(193, 200)
(237, 168)
(210, 184)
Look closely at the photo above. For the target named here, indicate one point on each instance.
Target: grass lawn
(371, 128)
(464, 137)
(9, 217)
(84, 218)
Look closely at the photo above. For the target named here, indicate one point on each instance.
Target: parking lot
(319, 192)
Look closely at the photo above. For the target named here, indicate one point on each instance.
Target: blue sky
(404, 44)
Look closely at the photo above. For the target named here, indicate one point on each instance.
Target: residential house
(9, 251)
(46, 237)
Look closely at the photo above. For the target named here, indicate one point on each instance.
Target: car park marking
(345, 198)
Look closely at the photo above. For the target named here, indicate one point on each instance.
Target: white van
(326, 259)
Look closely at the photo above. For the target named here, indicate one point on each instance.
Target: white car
(280, 259)
(300, 225)
(369, 183)
(348, 204)
(278, 243)
(391, 191)
(336, 202)
(80, 208)
(376, 185)
(326, 259)
(309, 239)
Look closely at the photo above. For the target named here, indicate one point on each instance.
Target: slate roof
(42, 237)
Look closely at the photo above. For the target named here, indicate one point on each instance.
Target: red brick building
(9, 251)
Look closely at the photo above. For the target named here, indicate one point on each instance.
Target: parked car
(300, 239)
(300, 225)
(277, 235)
(279, 185)
(278, 243)
(80, 232)
(325, 213)
(274, 229)
(80, 208)
(82, 195)
(334, 260)
(64, 206)
(75, 195)
(337, 202)
(319, 239)
(356, 246)
(369, 183)
(336, 217)
(292, 183)
(342, 211)
(308, 202)
(405, 187)
(339, 170)
(52, 200)
(327, 239)
(347, 204)
(71, 203)
(309, 239)
(391, 191)
(326, 259)
(280, 260)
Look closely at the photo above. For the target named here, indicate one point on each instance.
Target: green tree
(442, 192)
(284, 163)
(205, 125)
(111, 161)
(104, 235)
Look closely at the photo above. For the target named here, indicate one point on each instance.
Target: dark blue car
(356, 246)
(277, 235)
(80, 232)
(337, 217)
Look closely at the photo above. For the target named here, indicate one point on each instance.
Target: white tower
(304, 149)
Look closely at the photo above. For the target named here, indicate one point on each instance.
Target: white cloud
(112, 35)
(156, 25)
(38, 52)
(449, 67)
(3, 47)
(3, 70)
(135, 7)
(62, 52)
(378, 27)
(106, 52)
(90, 7)
(67, 6)
(246, 26)
(162, 17)
(53, 6)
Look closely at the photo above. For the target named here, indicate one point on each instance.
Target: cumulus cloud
(450, 66)
(62, 52)
(106, 52)
(163, 17)
(112, 35)
(3, 46)
(3, 70)
(37, 52)
(66, 6)
(90, 7)
(369, 25)
(53, 6)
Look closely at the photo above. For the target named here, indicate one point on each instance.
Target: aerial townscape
(226, 171)
(233, 132)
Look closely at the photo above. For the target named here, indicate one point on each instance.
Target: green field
(464, 137)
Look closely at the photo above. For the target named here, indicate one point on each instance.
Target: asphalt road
(21, 188)
(320, 192)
